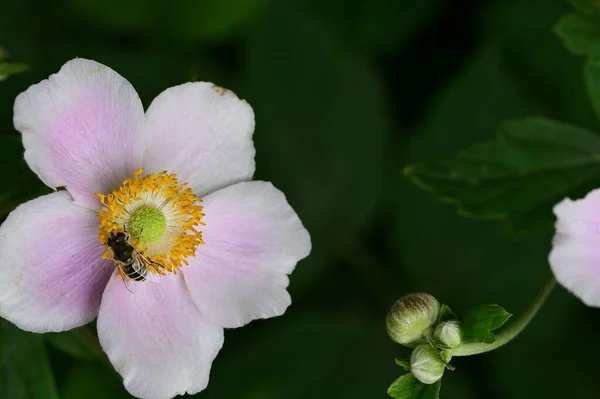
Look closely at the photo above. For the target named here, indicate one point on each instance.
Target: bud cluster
(416, 321)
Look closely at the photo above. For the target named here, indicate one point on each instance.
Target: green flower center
(147, 224)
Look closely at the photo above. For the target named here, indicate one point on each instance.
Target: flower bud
(426, 364)
(448, 334)
(411, 316)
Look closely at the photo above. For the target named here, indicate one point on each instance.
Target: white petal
(156, 339)
(52, 272)
(253, 240)
(575, 256)
(202, 134)
(81, 129)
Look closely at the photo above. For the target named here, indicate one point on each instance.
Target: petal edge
(156, 338)
(50, 261)
(254, 239)
(81, 129)
(209, 131)
(575, 258)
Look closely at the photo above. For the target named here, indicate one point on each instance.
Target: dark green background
(346, 93)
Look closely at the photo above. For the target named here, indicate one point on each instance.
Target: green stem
(514, 328)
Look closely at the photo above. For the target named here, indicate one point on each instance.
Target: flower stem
(514, 328)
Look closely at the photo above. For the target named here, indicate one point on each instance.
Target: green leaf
(532, 165)
(446, 313)
(405, 364)
(480, 321)
(25, 372)
(408, 387)
(11, 68)
(72, 343)
(17, 182)
(579, 35)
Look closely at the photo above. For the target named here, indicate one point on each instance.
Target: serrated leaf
(25, 371)
(480, 321)
(405, 364)
(408, 387)
(532, 165)
(11, 68)
(446, 313)
(579, 34)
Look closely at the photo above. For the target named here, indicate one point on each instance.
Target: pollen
(161, 217)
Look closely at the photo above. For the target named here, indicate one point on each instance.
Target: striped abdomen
(135, 274)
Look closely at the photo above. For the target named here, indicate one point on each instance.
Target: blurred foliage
(520, 176)
(17, 181)
(346, 93)
(75, 342)
(332, 100)
(26, 373)
(10, 68)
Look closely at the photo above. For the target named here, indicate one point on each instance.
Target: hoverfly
(132, 264)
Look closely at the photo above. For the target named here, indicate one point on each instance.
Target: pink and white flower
(221, 261)
(575, 255)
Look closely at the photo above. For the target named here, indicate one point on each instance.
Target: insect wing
(146, 267)
(154, 268)
(154, 277)
(129, 284)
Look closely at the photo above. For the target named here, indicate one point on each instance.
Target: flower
(575, 255)
(171, 190)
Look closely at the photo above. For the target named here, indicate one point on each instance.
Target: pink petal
(202, 134)
(156, 338)
(81, 129)
(253, 240)
(50, 261)
(575, 256)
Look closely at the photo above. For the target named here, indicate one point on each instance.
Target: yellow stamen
(179, 205)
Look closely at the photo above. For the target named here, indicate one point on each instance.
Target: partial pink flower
(208, 248)
(575, 255)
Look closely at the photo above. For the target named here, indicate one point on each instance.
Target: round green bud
(411, 316)
(448, 334)
(426, 364)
